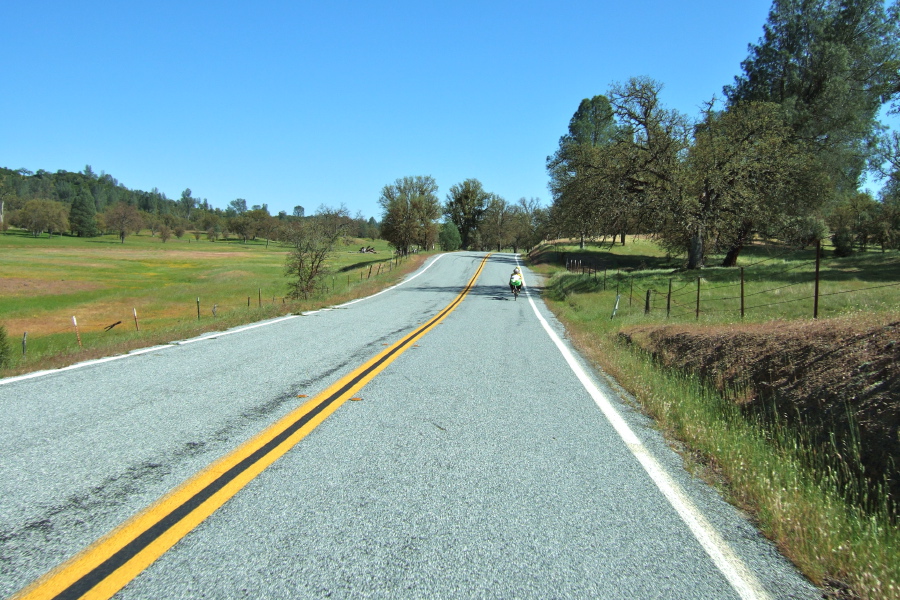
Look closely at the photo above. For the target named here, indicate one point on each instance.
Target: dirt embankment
(832, 375)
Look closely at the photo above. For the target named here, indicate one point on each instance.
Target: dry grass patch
(21, 286)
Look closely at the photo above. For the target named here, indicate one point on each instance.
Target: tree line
(473, 218)
(783, 156)
(87, 204)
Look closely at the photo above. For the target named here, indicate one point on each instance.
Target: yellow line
(75, 578)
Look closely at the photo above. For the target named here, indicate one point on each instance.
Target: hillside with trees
(86, 204)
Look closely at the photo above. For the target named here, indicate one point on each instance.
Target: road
(483, 459)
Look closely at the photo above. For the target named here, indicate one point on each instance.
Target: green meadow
(778, 283)
(46, 281)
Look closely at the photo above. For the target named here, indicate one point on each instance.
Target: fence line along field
(45, 281)
(771, 281)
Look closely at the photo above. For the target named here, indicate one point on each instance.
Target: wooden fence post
(24, 342)
(816, 300)
(647, 303)
(77, 335)
(698, 299)
(198, 308)
(136, 326)
(669, 300)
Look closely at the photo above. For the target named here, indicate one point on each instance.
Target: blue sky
(311, 103)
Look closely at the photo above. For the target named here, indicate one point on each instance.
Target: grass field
(44, 282)
(779, 283)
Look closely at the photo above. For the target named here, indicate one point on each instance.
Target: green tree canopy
(465, 206)
(40, 215)
(745, 173)
(449, 237)
(410, 209)
(83, 214)
(123, 219)
(582, 201)
(830, 65)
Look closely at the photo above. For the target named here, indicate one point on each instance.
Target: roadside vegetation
(762, 445)
(782, 384)
(102, 283)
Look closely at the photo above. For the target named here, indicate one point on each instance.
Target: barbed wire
(776, 273)
(777, 303)
(766, 291)
(681, 288)
(779, 255)
(874, 287)
(693, 310)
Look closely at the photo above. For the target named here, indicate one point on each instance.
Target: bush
(449, 237)
(6, 351)
(843, 242)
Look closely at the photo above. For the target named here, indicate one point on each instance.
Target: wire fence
(704, 298)
(202, 308)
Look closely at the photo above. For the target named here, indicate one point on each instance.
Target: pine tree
(831, 65)
(82, 216)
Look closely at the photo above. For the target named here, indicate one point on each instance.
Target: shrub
(6, 352)
(449, 237)
(843, 242)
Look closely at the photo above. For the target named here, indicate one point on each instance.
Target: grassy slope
(44, 282)
(763, 471)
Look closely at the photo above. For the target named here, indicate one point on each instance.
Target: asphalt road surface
(485, 461)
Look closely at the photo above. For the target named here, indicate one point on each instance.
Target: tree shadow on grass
(599, 258)
(363, 264)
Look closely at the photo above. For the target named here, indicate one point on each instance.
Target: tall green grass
(794, 492)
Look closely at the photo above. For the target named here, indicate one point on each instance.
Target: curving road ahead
(485, 460)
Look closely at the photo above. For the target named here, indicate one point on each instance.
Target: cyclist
(516, 283)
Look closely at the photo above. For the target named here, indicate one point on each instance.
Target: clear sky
(311, 103)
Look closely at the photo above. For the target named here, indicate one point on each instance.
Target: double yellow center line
(110, 563)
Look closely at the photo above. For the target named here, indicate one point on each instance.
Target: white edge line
(729, 564)
(219, 334)
(140, 351)
(384, 291)
(6, 380)
(86, 363)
